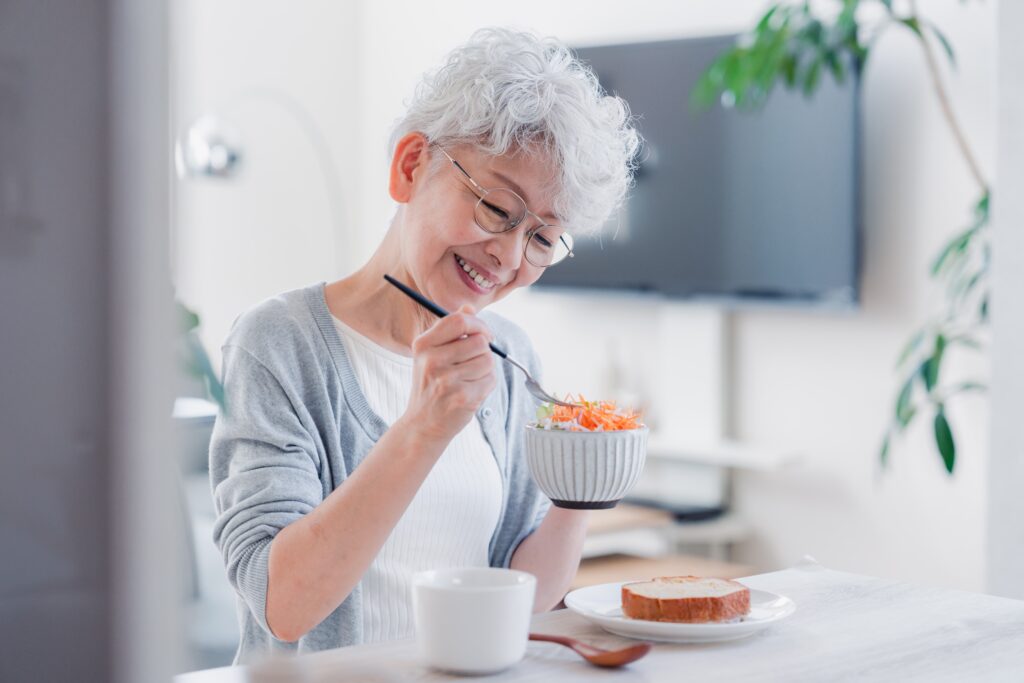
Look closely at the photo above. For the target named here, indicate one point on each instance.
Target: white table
(846, 627)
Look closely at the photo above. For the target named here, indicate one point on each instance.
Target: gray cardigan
(297, 424)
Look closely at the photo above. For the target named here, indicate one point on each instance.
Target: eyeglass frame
(482, 192)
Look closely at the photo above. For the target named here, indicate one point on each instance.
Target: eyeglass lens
(501, 210)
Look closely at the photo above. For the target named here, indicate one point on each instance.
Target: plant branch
(947, 107)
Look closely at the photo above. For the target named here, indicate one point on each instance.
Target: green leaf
(904, 410)
(814, 32)
(913, 24)
(788, 69)
(973, 281)
(789, 44)
(967, 386)
(940, 345)
(946, 45)
(927, 374)
(954, 249)
(883, 454)
(981, 208)
(812, 77)
(910, 412)
(704, 92)
(835, 65)
(187, 320)
(944, 439)
(197, 363)
(930, 367)
(911, 346)
(765, 22)
(733, 73)
(965, 340)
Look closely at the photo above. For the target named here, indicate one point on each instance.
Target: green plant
(794, 45)
(193, 357)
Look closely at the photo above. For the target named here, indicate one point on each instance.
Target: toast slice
(685, 599)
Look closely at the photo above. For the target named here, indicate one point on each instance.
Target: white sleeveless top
(449, 522)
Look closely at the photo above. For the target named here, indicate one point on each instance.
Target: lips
(482, 280)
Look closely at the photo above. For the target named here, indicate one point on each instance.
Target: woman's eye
(542, 241)
(498, 212)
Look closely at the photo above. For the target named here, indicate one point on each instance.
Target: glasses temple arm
(463, 171)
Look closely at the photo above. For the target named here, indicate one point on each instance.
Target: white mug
(473, 620)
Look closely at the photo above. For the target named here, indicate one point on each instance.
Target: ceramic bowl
(585, 470)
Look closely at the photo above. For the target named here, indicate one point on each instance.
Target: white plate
(603, 605)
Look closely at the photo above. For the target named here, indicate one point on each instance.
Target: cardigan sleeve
(263, 470)
(526, 505)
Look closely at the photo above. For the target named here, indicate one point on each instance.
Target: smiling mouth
(478, 279)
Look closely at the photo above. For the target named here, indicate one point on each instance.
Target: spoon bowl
(609, 659)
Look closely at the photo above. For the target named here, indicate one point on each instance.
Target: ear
(410, 156)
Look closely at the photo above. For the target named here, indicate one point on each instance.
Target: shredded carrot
(595, 416)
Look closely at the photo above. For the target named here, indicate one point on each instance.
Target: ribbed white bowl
(585, 470)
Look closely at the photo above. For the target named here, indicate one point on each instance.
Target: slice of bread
(685, 599)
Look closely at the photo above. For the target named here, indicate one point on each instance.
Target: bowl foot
(585, 505)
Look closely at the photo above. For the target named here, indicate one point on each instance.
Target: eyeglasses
(500, 210)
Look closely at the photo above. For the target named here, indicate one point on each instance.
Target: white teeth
(477, 277)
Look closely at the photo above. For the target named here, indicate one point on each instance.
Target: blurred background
(219, 152)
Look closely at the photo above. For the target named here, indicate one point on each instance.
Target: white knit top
(453, 515)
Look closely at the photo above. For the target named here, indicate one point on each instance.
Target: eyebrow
(511, 184)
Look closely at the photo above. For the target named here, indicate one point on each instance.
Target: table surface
(846, 627)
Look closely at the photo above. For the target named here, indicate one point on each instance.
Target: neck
(368, 303)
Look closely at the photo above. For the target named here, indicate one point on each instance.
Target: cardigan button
(486, 413)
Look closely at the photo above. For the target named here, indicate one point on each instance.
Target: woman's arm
(316, 561)
(552, 554)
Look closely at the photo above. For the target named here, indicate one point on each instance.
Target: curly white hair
(508, 91)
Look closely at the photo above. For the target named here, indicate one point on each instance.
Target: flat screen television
(730, 205)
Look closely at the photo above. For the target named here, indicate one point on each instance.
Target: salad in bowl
(586, 457)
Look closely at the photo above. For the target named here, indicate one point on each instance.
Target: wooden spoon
(595, 655)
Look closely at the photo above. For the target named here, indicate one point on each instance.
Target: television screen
(728, 204)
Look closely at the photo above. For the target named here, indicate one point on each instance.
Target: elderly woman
(365, 439)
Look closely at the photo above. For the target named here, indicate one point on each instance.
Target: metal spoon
(531, 384)
(595, 655)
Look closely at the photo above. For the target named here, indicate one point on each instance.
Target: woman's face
(440, 236)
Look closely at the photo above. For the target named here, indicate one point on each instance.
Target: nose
(506, 249)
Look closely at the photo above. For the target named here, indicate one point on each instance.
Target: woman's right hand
(453, 372)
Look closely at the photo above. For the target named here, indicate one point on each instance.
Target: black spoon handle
(430, 306)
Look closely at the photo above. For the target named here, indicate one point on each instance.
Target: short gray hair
(507, 91)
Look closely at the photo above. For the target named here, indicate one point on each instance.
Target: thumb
(467, 308)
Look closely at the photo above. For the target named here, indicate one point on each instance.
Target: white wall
(819, 383)
(283, 77)
(1006, 505)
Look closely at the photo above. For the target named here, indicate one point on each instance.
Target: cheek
(439, 233)
(526, 276)
(453, 225)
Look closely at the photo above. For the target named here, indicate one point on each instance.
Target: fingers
(456, 325)
(453, 355)
(461, 350)
(474, 369)
(453, 371)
